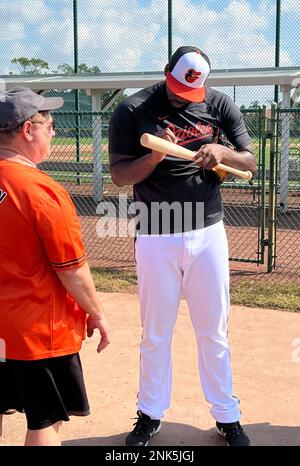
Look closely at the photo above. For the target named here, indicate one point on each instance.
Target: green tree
(65, 68)
(83, 68)
(254, 104)
(31, 66)
(252, 118)
(295, 121)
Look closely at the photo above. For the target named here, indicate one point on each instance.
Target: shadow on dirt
(175, 434)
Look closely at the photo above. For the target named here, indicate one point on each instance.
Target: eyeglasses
(50, 127)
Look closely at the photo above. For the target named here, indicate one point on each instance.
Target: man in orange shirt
(48, 299)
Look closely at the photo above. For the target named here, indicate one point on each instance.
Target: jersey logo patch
(3, 195)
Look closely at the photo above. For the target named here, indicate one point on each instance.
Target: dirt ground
(265, 351)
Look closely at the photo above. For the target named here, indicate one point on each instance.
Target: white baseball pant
(196, 266)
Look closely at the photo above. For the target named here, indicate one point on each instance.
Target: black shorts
(46, 390)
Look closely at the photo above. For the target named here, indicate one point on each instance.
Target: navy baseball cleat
(145, 429)
(234, 434)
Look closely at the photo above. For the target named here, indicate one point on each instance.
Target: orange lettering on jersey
(191, 132)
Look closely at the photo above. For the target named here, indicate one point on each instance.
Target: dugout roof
(95, 83)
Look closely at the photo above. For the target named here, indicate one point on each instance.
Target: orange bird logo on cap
(192, 75)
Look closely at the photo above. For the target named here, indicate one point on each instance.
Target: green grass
(72, 177)
(293, 143)
(114, 280)
(283, 296)
(71, 141)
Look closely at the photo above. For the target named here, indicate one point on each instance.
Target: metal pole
(272, 189)
(277, 44)
(77, 102)
(97, 148)
(262, 166)
(169, 29)
(284, 148)
(75, 29)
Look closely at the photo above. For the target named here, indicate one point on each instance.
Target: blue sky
(131, 35)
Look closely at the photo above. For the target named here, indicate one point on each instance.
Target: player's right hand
(167, 134)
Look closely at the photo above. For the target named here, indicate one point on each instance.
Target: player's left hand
(100, 324)
(209, 155)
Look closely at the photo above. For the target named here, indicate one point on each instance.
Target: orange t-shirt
(39, 233)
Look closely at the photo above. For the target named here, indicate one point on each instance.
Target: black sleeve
(232, 123)
(122, 133)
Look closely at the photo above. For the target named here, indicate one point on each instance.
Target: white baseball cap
(187, 72)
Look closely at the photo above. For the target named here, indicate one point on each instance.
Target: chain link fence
(87, 36)
(84, 171)
(288, 193)
(243, 202)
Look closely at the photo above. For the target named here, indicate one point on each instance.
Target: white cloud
(56, 38)
(23, 11)
(234, 37)
(16, 33)
(241, 14)
(291, 6)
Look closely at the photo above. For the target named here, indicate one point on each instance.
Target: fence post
(169, 29)
(264, 129)
(284, 149)
(272, 187)
(97, 149)
(76, 91)
(277, 44)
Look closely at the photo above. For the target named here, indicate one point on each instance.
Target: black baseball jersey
(175, 180)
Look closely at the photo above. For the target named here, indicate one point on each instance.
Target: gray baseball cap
(20, 103)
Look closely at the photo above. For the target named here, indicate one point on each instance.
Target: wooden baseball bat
(161, 145)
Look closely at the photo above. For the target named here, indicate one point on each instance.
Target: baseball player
(187, 253)
(46, 287)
